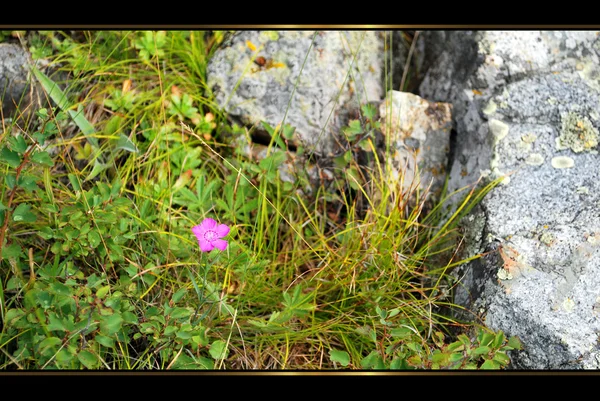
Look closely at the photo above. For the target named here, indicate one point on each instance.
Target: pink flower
(209, 235)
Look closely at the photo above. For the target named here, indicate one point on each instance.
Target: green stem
(201, 298)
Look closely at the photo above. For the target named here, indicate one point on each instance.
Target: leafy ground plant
(100, 267)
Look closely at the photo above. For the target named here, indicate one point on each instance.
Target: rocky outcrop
(526, 107)
(310, 80)
(16, 91)
(417, 133)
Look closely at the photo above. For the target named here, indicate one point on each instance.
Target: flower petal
(208, 224)
(222, 230)
(220, 244)
(205, 246)
(198, 231)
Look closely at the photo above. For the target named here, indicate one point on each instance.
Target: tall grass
(363, 272)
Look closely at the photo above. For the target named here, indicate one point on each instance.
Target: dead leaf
(126, 86)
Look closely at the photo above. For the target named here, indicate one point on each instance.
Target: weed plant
(99, 268)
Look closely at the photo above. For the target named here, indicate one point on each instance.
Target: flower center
(210, 235)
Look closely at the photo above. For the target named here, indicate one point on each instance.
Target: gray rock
(526, 108)
(399, 44)
(271, 76)
(16, 91)
(418, 134)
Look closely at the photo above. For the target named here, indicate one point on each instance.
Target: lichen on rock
(310, 80)
(562, 162)
(577, 133)
(535, 159)
(541, 99)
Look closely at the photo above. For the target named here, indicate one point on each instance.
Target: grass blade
(59, 97)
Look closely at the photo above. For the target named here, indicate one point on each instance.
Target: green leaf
(74, 182)
(43, 158)
(39, 137)
(401, 332)
(102, 291)
(465, 340)
(441, 358)
(149, 327)
(12, 316)
(44, 299)
(342, 357)
(415, 360)
(186, 362)
(354, 128)
(498, 339)
(94, 238)
(105, 341)
(368, 332)
(481, 350)
(61, 289)
(184, 335)
(514, 343)
(71, 234)
(354, 178)
(18, 143)
(486, 339)
(399, 364)
(97, 169)
(456, 346)
(490, 364)
(218, 350)
(415, 347)
(12, 158)
(12, 251)
(502, 358)
(178, 295)
(268, 128)
(49, 345)
(23, 213)
(288, 131)
(28, 182)
(126, 144)
(111, 324)
(348, 156)
(456, 357)
(170, 330)
(64, 356)
(371, 361)
(114, 123)
(369, 111)
(365, 145)
(2, 207)
(55, 323)
(11, 181)
(340, 161)
(88, 359)
(438, 338)
(273, 161)
(393, 312)
(58, 97)
(130, 318)
(179, 313)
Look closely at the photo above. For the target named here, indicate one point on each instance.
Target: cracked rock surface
(525, 107)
